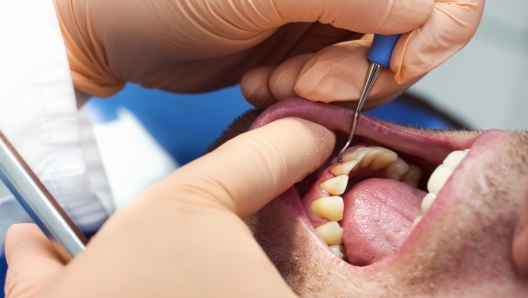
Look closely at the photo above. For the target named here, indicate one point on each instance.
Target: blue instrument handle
(381, 49)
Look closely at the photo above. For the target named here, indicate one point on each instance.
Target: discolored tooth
(331, 233)
(356, 155)
(396, 169)
(370, 155)
(336, 185)
(439, 178)
(344, 168)
(381, 158)
(454, 158)
(412, 176)
(427, 202)
(330, 208)
(416, 221)
(338, 250)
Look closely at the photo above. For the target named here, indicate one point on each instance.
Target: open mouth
(392, 177)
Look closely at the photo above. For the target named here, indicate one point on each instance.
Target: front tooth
(336, 185)
(338, 250)
(454, 158)
(427, 201)
(344, 168)
(396, 169)
(439, 178)
(416, 221)
(330, 232)
(330, 208)
(381, 157)
(412, 176)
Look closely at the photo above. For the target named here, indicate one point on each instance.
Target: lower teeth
(330, 208)
(331, 233)
(338, 250)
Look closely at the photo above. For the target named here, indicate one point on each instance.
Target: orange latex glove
(184, 236)
(202, 45)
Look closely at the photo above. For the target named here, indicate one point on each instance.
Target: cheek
(520, 242)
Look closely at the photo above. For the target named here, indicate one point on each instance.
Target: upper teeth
(444, 171)
(412, 176)
(440, 176)
(344, 168)
(396, 169)
(416, 221)
(376, 157)
(381, 157)
(428, 201)
(454, 158)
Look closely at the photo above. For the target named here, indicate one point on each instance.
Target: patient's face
(354, 236)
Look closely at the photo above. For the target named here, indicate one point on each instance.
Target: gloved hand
(202, 45)
(183, 236)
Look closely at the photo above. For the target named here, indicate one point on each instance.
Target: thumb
(31, 259)
(250, 170)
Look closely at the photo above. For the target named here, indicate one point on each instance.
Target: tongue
(378, 218)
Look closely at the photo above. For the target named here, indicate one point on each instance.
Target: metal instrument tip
(372, 76)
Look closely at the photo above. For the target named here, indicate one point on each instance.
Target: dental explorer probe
(38, 202)
(379, 56)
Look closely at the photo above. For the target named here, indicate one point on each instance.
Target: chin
(409, 212)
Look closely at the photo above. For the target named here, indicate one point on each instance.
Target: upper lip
(397, 137)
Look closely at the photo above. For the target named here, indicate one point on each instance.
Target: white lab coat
(38, 113)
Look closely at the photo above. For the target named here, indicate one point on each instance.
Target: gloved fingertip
(255, 87)
(279, 142)
(25, 239)
(335, 73)
(269, 160)
(283, 78)
(31, 260)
